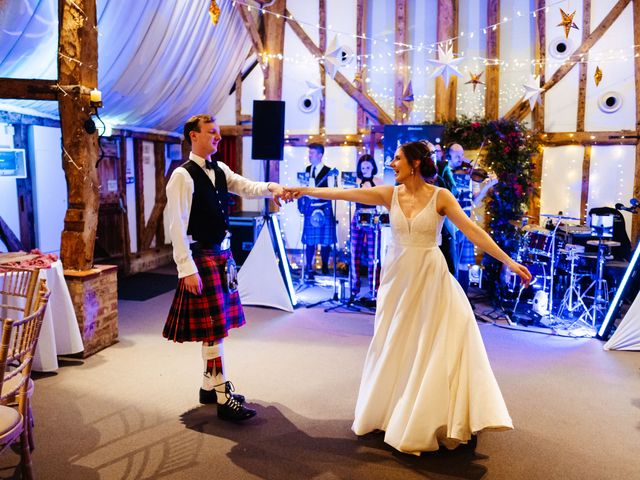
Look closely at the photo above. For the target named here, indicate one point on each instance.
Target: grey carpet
(131, 411)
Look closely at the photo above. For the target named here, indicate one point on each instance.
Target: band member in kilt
(206, 303)
(319, 223)
(364, 230)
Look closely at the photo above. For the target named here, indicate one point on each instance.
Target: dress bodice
(423, 230)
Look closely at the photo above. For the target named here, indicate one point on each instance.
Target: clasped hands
(285, 194)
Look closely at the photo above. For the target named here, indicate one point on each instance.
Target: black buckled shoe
(234, 411)
(209, 396)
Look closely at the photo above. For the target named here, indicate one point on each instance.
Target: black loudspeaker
(268, 130)
(244, 227)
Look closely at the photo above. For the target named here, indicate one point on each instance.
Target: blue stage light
(614, 308)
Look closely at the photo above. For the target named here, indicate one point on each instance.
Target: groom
(206, 303)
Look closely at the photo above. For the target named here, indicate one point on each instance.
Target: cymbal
(563, 217)
(608, 243)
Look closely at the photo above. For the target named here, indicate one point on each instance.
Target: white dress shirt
(179, 197)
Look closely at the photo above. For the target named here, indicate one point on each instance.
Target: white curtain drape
(160, 61)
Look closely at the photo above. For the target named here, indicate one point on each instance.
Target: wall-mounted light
(95, 102)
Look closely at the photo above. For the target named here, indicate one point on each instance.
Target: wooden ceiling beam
(28, 89)
(250, 24)
(620, 137)
(401, 60)
(447, 28)
(582, 82)
(539, 25)
(362, 7)
(492, 76)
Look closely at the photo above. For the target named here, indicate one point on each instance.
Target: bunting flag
(214, 12)
(597, 76)
(407, 98)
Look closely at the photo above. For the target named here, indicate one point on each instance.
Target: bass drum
(540, 280)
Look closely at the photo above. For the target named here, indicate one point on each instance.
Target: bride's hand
(521, 271)
(296, 192)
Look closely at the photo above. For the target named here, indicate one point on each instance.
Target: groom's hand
(278, 193)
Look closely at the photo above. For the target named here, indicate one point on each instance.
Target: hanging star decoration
(314, 90)
(337, 56)
(446, 65)
(407, 98)
(475, 79)
(214, 12)
(533, 92)
(567, 22)
(597, 76)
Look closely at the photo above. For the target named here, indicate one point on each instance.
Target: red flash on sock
(214, 366)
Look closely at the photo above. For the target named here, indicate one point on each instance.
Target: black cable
(104, 129)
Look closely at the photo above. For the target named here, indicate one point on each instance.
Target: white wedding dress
(427, 379)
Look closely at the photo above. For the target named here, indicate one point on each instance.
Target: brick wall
(94, 294)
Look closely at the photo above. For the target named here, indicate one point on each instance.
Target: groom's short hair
(193, 124)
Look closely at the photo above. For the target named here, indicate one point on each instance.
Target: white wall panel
(227, 114)
(516, 50)
(472, 45)
(49, 186)
(422, 34)
(341, 109)
(561, 187)
(252, 89)
(614, 55)
(561, 104)
(380, 64)
(561, 101)
(299, 67)
(611, 176)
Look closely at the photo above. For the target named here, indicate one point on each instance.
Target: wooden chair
(17, 288)
(17, 347)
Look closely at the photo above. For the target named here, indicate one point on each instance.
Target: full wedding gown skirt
(427, 379)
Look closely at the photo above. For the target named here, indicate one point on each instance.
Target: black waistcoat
(322, 175)
(209, 216)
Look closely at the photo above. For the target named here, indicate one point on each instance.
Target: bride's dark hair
(420, 151)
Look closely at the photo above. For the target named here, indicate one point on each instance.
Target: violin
(479, 174)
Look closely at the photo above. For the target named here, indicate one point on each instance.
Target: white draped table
(60, 334)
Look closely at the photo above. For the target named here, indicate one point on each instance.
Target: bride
(426, 380)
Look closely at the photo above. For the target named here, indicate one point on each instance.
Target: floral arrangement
(507, 147)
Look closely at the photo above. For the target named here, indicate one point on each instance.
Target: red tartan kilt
(206, 317)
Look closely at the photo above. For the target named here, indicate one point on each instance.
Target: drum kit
(560, 267)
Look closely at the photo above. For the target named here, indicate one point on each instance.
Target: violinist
(472, 186)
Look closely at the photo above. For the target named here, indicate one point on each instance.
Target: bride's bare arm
(380, 195)
(448, 205)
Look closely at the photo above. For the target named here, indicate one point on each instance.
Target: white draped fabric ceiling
(160, 61)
